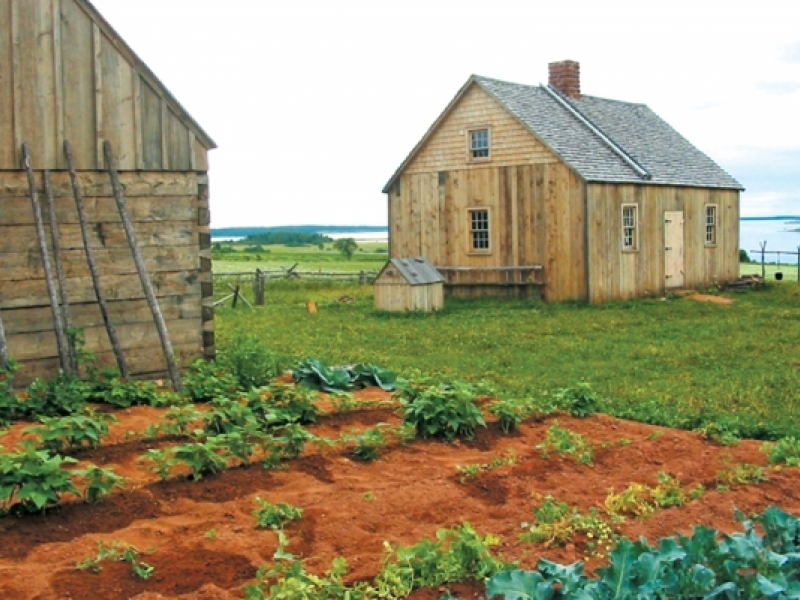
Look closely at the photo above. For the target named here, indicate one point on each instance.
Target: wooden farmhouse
(517, 188)
(409, 284)
(65, 75)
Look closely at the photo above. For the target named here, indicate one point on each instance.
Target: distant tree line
(288, 238)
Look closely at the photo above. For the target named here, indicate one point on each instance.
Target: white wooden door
(673, 249)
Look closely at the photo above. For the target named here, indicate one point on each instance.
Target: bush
(250, 362)
(743, 256)
(443, 410)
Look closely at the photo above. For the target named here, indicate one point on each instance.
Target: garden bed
(201, 539)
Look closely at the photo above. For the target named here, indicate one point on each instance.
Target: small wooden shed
(517, 188)
(409, 284)
(65, 74)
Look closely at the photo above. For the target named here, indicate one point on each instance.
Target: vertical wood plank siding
(63, 76)
(616, 274)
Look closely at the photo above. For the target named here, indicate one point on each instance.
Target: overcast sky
(315, 103)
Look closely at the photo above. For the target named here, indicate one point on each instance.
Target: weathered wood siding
(394, 294)
(511, 142)
(535, 203)
(536, 217)
(616, 274)
(65, 74)
(169, 222)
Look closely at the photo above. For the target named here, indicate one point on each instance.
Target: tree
(347, 246)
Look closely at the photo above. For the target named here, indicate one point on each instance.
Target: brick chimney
(565, 76)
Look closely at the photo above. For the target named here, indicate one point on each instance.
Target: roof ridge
(615, 146)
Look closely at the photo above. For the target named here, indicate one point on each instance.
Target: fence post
(362, 277)
(258, 288)
(763, 267)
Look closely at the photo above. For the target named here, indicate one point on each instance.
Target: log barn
(66, 75)
(519, 189)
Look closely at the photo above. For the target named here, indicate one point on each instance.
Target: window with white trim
(479, 144)
(630, 226)
(479, 229)
(711, 224)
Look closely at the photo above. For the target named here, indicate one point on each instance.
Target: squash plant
(33, 480)
(84, 429)
(441, 410)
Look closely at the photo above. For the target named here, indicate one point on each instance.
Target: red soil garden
(201, 536)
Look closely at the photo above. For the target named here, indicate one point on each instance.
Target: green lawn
(674, 361)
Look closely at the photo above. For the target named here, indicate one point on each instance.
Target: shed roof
(416, 270)
(601, 140)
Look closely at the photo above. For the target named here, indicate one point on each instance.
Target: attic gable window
(479, 144)
(479, 230)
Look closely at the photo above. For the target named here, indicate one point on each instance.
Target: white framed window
(479, 144)
(711, 224)
(630, 227)
(479, 238)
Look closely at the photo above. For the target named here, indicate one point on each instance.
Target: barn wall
(169, 214)
(537, 217)
(64, 74)
(616, 274)
(511, 143)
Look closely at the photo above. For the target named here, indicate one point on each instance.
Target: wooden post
(58, 327)
(62, 281)
(362, 277)
(4, 358)
(763, 267)
(258, 288)
(235, 295)
(161, 325)
(93, 270)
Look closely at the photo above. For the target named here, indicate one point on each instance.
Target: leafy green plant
(444, 410)
(125, 392)
(10, 406)
(784, 451)
(455, 555)
(670, 492)
(203, 458)
(720, 433)
(84, 429)
(98, 483)
(565, 442)
(205, 380)
(511, 412)
(282, 404)
(33, 480)
(250, 362)
(275, 516)
(467, 472)
(227, 415)
(178, 421)
(117, 551)
(162, 461)
(578, 401)
(706, 565)
(556, 522)
(314, 374)
(62, 395)
(740, 474)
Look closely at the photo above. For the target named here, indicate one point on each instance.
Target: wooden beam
(97, 41)
(161, 325)
(95, 273)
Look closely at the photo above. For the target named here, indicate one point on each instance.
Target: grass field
(673, 361)
(310, 258)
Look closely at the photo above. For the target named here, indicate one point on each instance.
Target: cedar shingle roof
(607, 141)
